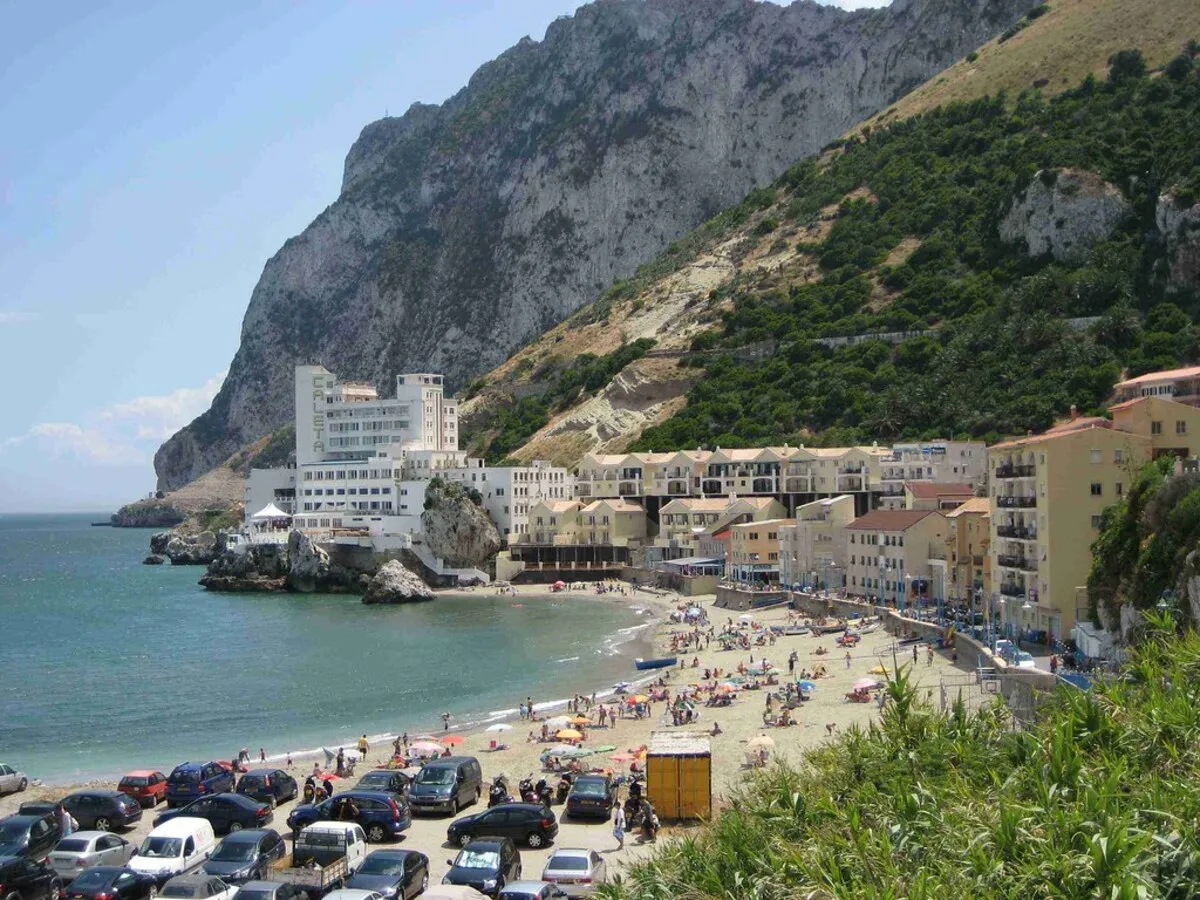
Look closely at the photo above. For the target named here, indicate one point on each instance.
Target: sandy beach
(740, 722)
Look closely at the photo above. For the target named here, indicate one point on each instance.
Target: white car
(353, 894)
(197, 887)
(575, 871)
(12, 781)
(85, 849)
(1024, 660)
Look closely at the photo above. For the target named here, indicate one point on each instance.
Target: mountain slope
(464, 230)
(900, 233)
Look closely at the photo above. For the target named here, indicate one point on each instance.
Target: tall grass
(1100, 798)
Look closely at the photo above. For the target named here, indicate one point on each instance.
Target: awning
(692, 561)
(271, 511)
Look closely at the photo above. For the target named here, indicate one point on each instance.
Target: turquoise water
(108, 665)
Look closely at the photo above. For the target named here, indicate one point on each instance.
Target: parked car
(85, 849)
(190, 780)
(28, 879)
(271, 786)
(113, 883)
(245, 855)
(576, 871)
(381, 815)
(529, 823)
(33, 836)
(391, 780)
(270, 890)
(1024, 660)
(226, 812)
(146, 786)
(174, 847)
(12, 781)
(486, 864)
(197, 887)
(38, 808)
(447, 784)
(352, 894)
(531, 890)
(591, 795)
(103, 810)
(398, 874)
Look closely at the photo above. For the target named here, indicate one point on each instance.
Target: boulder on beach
(394, 583)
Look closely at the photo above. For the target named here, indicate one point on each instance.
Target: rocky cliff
(466, 229)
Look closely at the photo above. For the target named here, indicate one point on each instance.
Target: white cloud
(122, 434)
(14, 317)
(159, 417)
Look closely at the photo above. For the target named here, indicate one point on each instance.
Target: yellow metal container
(679, 775)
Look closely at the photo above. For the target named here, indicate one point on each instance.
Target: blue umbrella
(807, 685)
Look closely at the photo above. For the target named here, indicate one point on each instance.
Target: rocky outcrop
(1065, 214)
(455, 528)
(1179, 225)
(311, 570)
(159, 541)
(154, 560)
(394, 583)
(463, 230)
(148, 514)
(194, 550)
(260, 567)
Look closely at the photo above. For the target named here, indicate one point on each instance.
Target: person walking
(848, 658)
(363, 747)
(445, 721)
(619, 825)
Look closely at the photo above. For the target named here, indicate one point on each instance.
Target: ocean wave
(567, 659)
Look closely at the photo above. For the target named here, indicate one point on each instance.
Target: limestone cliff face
(1065, 214)
(456, 529)
(1179, 225)
(464, 230)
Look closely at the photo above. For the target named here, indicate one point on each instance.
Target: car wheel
(478, 794)
(535, 840)
(376, 833)
(464, 839)
(24, 784)
(13, 896)
(273, 803)
(424, 884)
(56, 889)
(235, 826)
(153, 892)
(454, 807)
(103, 823)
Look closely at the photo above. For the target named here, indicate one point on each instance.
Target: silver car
(575, 871)
(85, 849)
(531, 890)
(12, 781)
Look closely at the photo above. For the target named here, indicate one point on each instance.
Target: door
(109, 849)
(125, 885)
(271, 848)
(695, 787)
(189, 853)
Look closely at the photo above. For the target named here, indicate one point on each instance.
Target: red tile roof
(932, 490)
(890, 519)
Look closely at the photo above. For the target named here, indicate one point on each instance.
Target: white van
(174, 847)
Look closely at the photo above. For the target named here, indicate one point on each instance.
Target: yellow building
(618, 523)
(897, 556)
(684, 521)
(754, 550)
(553, 522)
(969, 563)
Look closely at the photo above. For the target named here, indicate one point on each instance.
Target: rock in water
(308, 564)
(198, 550)
(153, 560)
(456, 528)
(262, 567)
(393, 583)
(159, 541)
(1065, 214)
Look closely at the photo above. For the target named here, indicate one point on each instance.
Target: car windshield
(382, 865)
(71, 845)
(435, 776)
(589, 789)
(240, 851)
(90, 879)
(181, 890)
(160, 847)
(478, 859)
(251, 894)
(568, 863)
(135, 781)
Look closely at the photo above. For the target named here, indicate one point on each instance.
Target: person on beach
(914, 654)
(716, 729)
(929, 655)
(619, 825)
(848, 658)
(341, 761)
(445, 721)
(289, 759)
(363, 747)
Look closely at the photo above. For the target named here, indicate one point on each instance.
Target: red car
(145, 785)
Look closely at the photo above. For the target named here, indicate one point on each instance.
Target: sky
(154, 156)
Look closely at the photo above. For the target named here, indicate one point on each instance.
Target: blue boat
(661, 663)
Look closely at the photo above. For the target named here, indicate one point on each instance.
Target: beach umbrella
(558, 722)
(807, 685)
(762, 742)
(451, 740)
(558, 749)
(424, 737)
(560, 584)
(426, 748)
(879, 670)
(499, 726)
(603, 748)
(569, 734)
(576, 753)
(865, 684)
(637, 698)
(581, 720)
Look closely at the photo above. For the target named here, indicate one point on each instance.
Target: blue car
(381, 814)
(189, 781)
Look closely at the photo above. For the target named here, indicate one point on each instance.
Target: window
(1156, 427)
(1181, 427)
(1097, 489)
(1095, 521)
(1095, 456)
(1118, 455)
(1120, 489)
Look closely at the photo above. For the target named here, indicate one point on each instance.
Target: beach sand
(739, 723)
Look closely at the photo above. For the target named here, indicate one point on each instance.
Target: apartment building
(812, 546)
(684, 521)
(936, 495)
(898, 556)
(944, 462)
(754, 551)
(568, 534)
(969, 562)
(1180, 385)
(510, 492)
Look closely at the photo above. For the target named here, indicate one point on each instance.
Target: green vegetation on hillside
(1099, 798)
(583, 376)
(999, 356)
(1145, 540)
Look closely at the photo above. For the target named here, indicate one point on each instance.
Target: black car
(194, 887)
(389, 780)
(33, 836)
(393, 873)
(103, 810)
(487, 865)
(272, 786)
(270, 890)
(112, 883)
(591, 795)
(225, 812)
(28, 879)
(528, 823)
(245, 855)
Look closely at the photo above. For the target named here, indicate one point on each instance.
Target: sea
(108, 665)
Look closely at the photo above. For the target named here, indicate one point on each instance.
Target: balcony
(712, 486)
(1010, 561)
(677, 487)
(1016, 502)
(850, 482)
(799, 484)
(628, 489)
(763, 486)
(1012, 590)
(1016, 471)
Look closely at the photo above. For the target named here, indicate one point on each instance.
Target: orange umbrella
(581, 720)
(452, 740)
(569, 734)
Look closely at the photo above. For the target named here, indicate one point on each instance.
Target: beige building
(754, 550)
(935, 495)
(682, 522)
(812, 547)
(1181, 385)
(946, 462)
(969, 563)
(1050, 490)
(897, 556)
